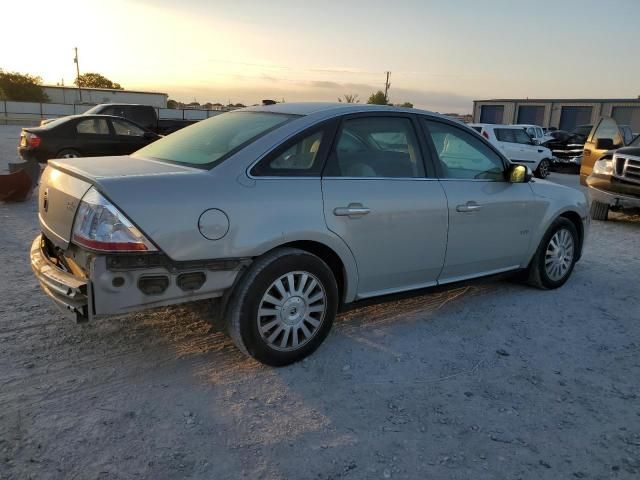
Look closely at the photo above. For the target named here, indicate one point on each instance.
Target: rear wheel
(556, 256)
(599, 211)
(68, 153)
(284, 307)
(543, 169)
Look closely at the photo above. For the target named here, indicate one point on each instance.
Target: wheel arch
(331, 258)
(574, 217)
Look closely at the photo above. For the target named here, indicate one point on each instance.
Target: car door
(130, 137)
(378, 199)
(94, 137)
(490, 219)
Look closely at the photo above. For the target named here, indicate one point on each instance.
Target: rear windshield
(208, 141)
(55, 123)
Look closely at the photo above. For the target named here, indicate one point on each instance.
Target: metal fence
(31, 113)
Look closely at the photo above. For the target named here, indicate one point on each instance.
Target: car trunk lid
(65, 181)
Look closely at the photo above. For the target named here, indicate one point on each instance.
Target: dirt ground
(492, 380)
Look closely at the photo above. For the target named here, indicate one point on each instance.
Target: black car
(83, 136)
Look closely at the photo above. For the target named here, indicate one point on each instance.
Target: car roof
(309, 108)
(495, 125)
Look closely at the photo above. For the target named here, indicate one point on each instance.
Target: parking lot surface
(486, 380)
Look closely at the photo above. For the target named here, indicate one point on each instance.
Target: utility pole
(387, 85)
(75, 60)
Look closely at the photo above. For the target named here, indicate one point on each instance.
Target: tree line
(23, 87)
(378, 98)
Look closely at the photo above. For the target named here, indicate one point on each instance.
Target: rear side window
(512, 135)
(127, 129)
(505, 135)
(477, 129)
(93, 126)
(300, 159)
(376, 147)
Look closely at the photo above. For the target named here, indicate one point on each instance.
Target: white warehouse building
(71, 95)
(564, 114)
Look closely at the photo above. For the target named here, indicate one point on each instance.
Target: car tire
(543, 169)
(283, 307)
(599, 211)
(556, 256)
(68, 153)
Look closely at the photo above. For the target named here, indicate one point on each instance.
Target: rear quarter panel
(263, 214)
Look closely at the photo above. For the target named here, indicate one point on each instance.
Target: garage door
(627, 116)
(573, 116)
(491, 113)
(531, 114)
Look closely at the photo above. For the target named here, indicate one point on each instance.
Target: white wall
(71, 95)
(30, 113)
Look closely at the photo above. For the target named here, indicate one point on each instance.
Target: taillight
(101, 226)
(485, 134)
(33, 140)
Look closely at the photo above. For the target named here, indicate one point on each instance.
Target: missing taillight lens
(101, 226)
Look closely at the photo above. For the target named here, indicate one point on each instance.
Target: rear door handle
(353, 210)
(468, 207)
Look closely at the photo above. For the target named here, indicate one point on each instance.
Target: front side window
(126, 129)
(93, 126)
(208, 141)
(520, 136)
(608, 129)
(299, 159)
(462, 155)
(376, 147)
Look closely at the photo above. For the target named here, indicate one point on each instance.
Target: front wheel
(556, 256)
(284, 307)
(543, 169)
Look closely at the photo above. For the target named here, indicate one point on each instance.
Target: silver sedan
(282, 214)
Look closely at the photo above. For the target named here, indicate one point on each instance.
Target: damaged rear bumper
(113, 286)
(68, 292)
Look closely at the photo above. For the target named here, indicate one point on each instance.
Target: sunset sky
(442, 54)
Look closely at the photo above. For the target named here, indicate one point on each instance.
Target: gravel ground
(489, 380)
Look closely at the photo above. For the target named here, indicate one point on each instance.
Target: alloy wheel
(543, 169)
(559, 255)
(291, 311)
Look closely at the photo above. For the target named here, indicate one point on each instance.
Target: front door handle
(468, 207)
(353, 210)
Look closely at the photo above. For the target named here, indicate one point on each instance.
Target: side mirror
(604, 144)
(519, 174)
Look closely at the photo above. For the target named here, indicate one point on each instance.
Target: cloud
(268, 86)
